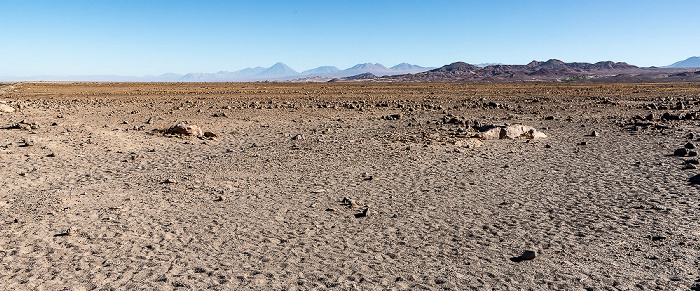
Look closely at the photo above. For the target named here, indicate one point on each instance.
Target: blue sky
(154, 37)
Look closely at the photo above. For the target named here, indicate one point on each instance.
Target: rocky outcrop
(493, 132)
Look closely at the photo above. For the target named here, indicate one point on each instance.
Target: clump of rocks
(185, 129)
(686, 150)
(24, 125)
(492, 132)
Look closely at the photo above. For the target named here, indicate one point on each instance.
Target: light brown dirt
(103, 199)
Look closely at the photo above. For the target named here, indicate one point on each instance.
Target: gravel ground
(347, 186)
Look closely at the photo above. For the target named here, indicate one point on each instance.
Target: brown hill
(551, 70)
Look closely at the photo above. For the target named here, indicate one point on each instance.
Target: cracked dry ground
(93, 196)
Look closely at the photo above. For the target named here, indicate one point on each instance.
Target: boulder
(186, 129)
(492, 133)
(510, 131)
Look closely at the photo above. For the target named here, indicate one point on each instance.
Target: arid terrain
(349, 186)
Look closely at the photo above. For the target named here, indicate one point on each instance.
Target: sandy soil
(94, 196)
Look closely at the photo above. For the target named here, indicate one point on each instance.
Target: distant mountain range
(691, 62)
(551, 70)
(277, 72)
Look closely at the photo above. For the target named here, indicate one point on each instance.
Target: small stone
(298, 137)
(27, 142)
(348, 202)
(169, 181)
(681, 152)
(689, 146)
(692, 153)
(583, 143)
(689, 167)
(595, 133)
(51, 155)
(219, 199)
(6, 108)
(528, 255)
(547, 146)
(210, 134)
(364, 213)
(692, 161)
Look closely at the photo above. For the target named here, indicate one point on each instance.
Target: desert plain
(349, 186)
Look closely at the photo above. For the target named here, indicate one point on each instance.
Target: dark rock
(689, 167)
(669, 116)
(692, 153)
(364, 213)
(689, 146)
(692, 161)
(528, 255)
(681, 152)
(694, 179)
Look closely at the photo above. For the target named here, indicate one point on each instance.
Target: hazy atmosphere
(157, 37)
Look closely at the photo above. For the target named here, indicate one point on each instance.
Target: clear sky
(143, 37)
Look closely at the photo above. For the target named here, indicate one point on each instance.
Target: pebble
(595, 133)
(27, 142)
(692, 161)
(364, 213)
(689, 167)
(528, 255)
(689, 146)
(169, 181)
(692, 153)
